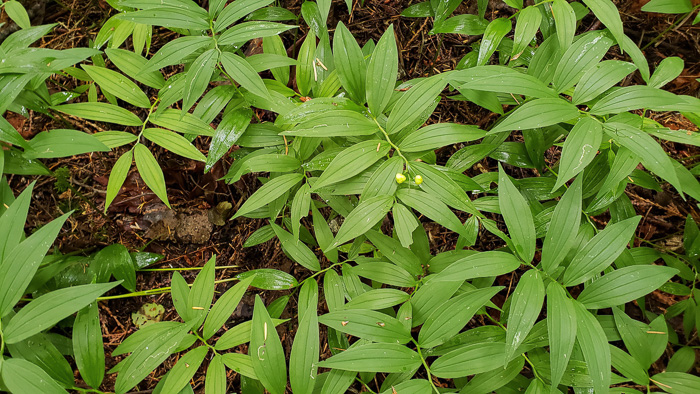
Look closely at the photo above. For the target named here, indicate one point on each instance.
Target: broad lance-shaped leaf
(350, 63)
(303, 360)
(174, 51)
(538, 113)
(202, 293)
(340, 123)
(649, 151)
(150, 172)
(469, 360)
(198, 78)
(118, 85)
(600, 251)
(518, 217)
(637, 97)
(145, 359)
(561, 329)
(367, 324)
(224, 307)
(439, 185)
(266, 351)
(269, 192)
(438, 135)
(381, 72)
(101, 112)
(501, 79)
(582, 55)
(374, 357)
(21, 263)
(306, 67)
(432, 208)
(120, 170)
(87, 345)
(580, 147)
(184, 369)
(478, 265)
(351, 162)
(525, 30)
(565, 20)
(231, 127)
(594, 346)
(173, 142)
(563, 227)
(296, 249)
(608, 13)
(495, 31)
(51, 308)
(242, 72)
(624, 285)
(414, 102)
(22, 376)
(600, 78)
(365, 216)
(525, 307)
(450, 318)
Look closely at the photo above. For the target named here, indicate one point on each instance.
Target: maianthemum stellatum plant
(353, 175)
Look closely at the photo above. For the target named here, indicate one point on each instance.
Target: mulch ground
(190, 190)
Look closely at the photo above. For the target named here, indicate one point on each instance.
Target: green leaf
(117, 260)
(117, 177)
(526, 304)
(469, 360)
(432, 208)
(246, 31)
(240, 363)
(17, 13)
(242, 72)
(51, 308)
(118, 85)
(180, 375)
(494, 33)
(303, 360)
(198, 77)
(300, 207)
(20, 263)
(182, 122)
(237, 10)
(624, 285)
(215, 380)
(501, 79)
(668, 6)
(594, 346)
(365, 216)
(266, 351)
(63, 143)
(350, 63)
(114, 139)
(414, 102)
(383, 180)
(628, 366)
(269, 279)
(232, 126)
(132, 64)
(170, 17)
(563, 228)
(22, 376)
(387, 273)
(101, 112)
(174, 143)
(448, 319)
(150, 172)
(529, 20)
(440, 185)
(269, 192)
(538, 113)
(381, 72)
(439, 135)
(405, 223)
(351, 162)
(642, 97)
(306, 68)
(238, 335)
(580, 148)
(87, 345)
(649, 151)
(600, 78)
(377, 299)
(394, 252)
(565, 20)
(668, 70)
(682, 360)
(600, 251)
(12, 224)
(337, 123)
(367, 324)
(582, 55)
(561, 329)
(298, 251)
(374, 357)
(676, 382)
(42, 350)
(145, 359)
(174, 51)
(518, 217)
(608, 13)
(479, 265)
(202, 293)
(473, 25)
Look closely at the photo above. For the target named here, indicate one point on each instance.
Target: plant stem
(160, 290)
(425, 364)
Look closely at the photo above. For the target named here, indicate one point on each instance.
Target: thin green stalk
(160, 290)
(396, 148)
(425, 365)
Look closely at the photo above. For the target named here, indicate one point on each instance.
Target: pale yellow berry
(400, 178)
(418, 179)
